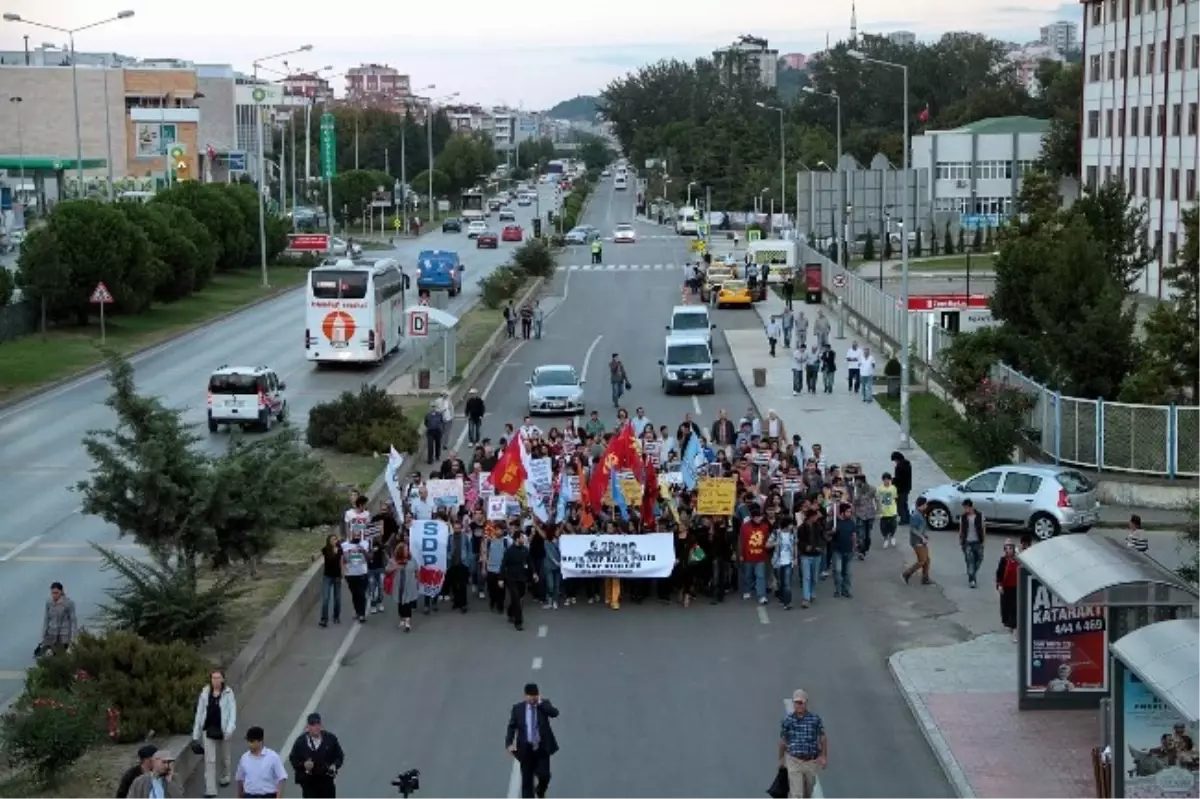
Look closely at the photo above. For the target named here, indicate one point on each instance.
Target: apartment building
(751, 55)
(1025, 60)
(1062, 35)
(902, 38)
(308, 84)
(795, 60)
(378, 84)
(1141, 112)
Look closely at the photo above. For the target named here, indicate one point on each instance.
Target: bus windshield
(335, 284)
(472, 201)
(555, 168)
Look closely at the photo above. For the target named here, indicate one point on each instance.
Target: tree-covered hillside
(580, 108)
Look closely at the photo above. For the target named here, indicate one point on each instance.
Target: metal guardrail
(1156, 440)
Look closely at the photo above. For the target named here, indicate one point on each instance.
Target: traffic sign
(101, 295)
(839, 281)
(397, 223)
(328, 146)
(418, 323)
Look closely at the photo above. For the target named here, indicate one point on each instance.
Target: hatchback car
(512, 233)
(452, 225)
(580, 235)
(487, 241)
(555, 389)
(1045, 500)
(476, 229)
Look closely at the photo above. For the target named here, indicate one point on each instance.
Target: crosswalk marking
(617, 267)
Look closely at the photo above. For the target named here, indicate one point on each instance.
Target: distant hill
(580, 108)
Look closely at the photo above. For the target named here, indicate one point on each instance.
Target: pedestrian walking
(787, 323)
(783, 559)
(789, 290)
(434, 424)
(902, 479)
(356, 566)
(510, 320)
(159, 782)
(828, 368)
(514, 578)
(866, 375)
(526, 321)
(1135, 539)
(889, 509)
(774, 333)
(866, 506)
(821, 328)
(530, 739)
(972, 534)
(316, 758)
(618, 378)
(799, 363)
(812, 367)
(844, 545)
(59, 622)
(213, 726)
(918, 538)
(145, 765)
(331, 580)
(801, 327)
(853, 361)
(1008, 575)
(260, 771)
(458, 574)
(494, 548)
(403, 574)
(539, 319)
(803, 747)
(475, 409)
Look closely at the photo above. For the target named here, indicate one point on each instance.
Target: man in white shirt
(799, 357)
(640, 422)
(866, 371)
(773, 333)
(260, 772)
(422, 506)
(358, 518)
(853, 360)
(529, 430)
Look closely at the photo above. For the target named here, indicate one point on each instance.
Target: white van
(687, 364)
(620, 183)
(691, 320)
(687, 221)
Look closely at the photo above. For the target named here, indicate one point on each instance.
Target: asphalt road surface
(655, 700)
(45, 538)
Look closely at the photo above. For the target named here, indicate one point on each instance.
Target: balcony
(165, 115)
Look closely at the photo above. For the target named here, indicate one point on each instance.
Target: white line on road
(542, 630)
(19, 548)
(763, 618)
(537, 664)
(696, 404)
(587, 358)
(323, 685)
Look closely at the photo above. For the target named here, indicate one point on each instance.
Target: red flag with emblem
(508, 475)
(621, 453)
(649, 496)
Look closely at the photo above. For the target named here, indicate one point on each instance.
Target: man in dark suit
(316, 759)
(531, 740)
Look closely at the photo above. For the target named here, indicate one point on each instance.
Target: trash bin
(760, 378)
(423, 379)
(893, 387)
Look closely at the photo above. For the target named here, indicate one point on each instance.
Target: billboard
(1067, 644)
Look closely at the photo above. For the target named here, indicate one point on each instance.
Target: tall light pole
(429, 143)
(841, 177)
(16, 102)
(258, 134)
(907, 214)
(782, 162)
(404, 162)
(9, 17)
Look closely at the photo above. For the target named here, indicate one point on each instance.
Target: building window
(1112, 65)
(1124, 64)
(1112, 10)
(1176, 118)
(1146, 182)
(1150, 59)
(1196, 51)
(1108, 120)
(1160, 182)
(1093, 124)
(1137, 6)
(1094, 68)
(1121, 123)
(1193, 118)
(1133, 121)
(1180, 54)
(1132, 181)
(1097, 14)
(1147, 120)
(1090, 179)
(1166, 59)
(1152, 5)
(1190, 186)
(1108, 174)
(1162, 120)
(1174, 184)
(1137, 60)
(1172, 246)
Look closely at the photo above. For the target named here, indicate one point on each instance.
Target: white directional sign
(101, 295)
(839, 281)
(418, 323)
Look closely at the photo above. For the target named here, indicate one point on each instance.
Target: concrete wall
(48, 114)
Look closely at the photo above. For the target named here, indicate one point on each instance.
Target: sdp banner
(651, 555)
(429, 540)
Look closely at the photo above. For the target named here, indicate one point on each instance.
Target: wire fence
(1156, 440)
(17, 320)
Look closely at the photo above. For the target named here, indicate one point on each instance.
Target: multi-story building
(795, 61)
(902, 38)
(308, 84)
(468, 118)
(749, 55)
(377, 84)
(1026, 59)
(1141, 112)
(1062, 35)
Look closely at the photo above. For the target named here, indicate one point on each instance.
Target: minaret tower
(853, 25)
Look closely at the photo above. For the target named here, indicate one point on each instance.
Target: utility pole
(356, 140)
(404, 172)
(387, 167)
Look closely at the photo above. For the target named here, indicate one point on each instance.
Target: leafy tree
(176, 258)
(85, 242)
(1121, 226)
(7, 287)
(933, 241)
(1060, 98)
(441, 183)
(962, 241)
(594, 152)
(535, 152)
(988, 238)
(1168, 366)
(977, 240)
(218, 211)
(869, 247)
(467, 159)
(245, 198)
(352, 192)
(365, 423)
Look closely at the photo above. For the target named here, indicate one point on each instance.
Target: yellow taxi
(734, 292)
(714, 277)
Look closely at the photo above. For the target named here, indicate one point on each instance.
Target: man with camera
(159, 781)
(531, 740)
(316, 759)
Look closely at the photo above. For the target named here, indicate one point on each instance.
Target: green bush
(993, 421)
(6, 287)
(45, 734)
(152, 686)
(892, 368)
(534, 259)
(366, 423)
(501, 286)
(164, 603)
(304, 260)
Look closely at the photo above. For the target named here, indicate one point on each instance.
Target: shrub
(500, 286)
(164, 603)
(7, 287)
(45, 734)
(152, 686)
(534, 259)
(869, 247)
(892, 368)
(304, 260)
(993, 418)
(365, 423)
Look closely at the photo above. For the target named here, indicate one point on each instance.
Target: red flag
(508, 475)
(924, 115)
(649, 496)
(621, 453)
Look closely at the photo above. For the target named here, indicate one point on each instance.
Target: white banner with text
(650, 555)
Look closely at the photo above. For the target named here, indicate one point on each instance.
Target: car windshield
(554, 377)
(734, 285)
(234, 384)
(624, 228)
(691, 321)
(687, 354)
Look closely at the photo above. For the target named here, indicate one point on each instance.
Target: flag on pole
(689, 468)
(617, 497)
(509, 474)
(650, 496)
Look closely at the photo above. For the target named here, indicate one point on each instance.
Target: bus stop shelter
(421, 322)
(1077, 594)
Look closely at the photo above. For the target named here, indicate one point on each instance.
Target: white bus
(354, 310)
(473, 205)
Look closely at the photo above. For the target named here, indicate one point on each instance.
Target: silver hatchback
(1045, 500)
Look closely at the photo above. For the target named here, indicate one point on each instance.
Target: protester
(474, 410)
(1008, 574)
(972, 533)
(213, 725)
(530, 739)
(403, 572)
(260, 771)
(356, 566)
(803, 747)
(919, 540)
(316, 758)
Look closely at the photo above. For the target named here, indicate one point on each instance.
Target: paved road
(656, 701)
(45, 538)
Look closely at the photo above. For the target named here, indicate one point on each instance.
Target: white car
(606, 173)
(508, 215)
(247, 396)
(624, 234)
(476, 228)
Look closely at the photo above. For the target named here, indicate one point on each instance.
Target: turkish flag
(924, 115)
(508, 475)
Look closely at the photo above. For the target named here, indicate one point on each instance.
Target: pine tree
(887, 248)
(962, 241)
(947, 240)
(869, 247)
(977, 240)
(916, 243)
(933, 241)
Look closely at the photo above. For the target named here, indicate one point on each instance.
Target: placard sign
(1068, 644)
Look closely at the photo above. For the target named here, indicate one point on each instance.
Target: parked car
(1045, 500)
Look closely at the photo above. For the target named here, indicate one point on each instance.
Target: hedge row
(532, 259)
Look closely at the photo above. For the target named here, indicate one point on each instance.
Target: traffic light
(537, 227)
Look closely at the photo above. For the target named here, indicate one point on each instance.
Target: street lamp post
(841, 177)
(258, 134)
(10, 17)
(782, 162)
(404, 161)
(16, 101)
(429, 144)
(906, 216)
(689, 192)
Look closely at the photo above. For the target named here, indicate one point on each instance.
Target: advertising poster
(1159, 759)
(1067, 644)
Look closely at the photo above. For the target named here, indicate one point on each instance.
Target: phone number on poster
(1082, 626)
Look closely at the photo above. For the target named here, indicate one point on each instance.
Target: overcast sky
(529, 53)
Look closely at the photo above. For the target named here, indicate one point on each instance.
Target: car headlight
(672, 375)
(708, 374)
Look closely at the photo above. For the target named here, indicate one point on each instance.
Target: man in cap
(316, 759)
(531, 740)
(145, 764)
(474, 411)
(159, 781)
(260, 772)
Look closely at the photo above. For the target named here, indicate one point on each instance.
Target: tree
(182, 221)
(977, 240)
(352, 192)
(1060, 98)
(869, 247)
(246, 200)
(1121, 226)
(466, 159)
(1168, 366)
(933, 241)
(215, 208)
(887, 247)
(917, 244)
(534, 153)
(85, 242)
(947, 241)
(962, 241)
(594, 152)
(177, 260)
(7, 286)
(441, 183)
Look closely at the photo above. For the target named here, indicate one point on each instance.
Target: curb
(933, 736)
(170, 340)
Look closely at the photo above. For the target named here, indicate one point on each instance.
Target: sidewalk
(963, 695)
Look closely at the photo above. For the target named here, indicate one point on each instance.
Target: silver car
(555, 390)
(1045, 500)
